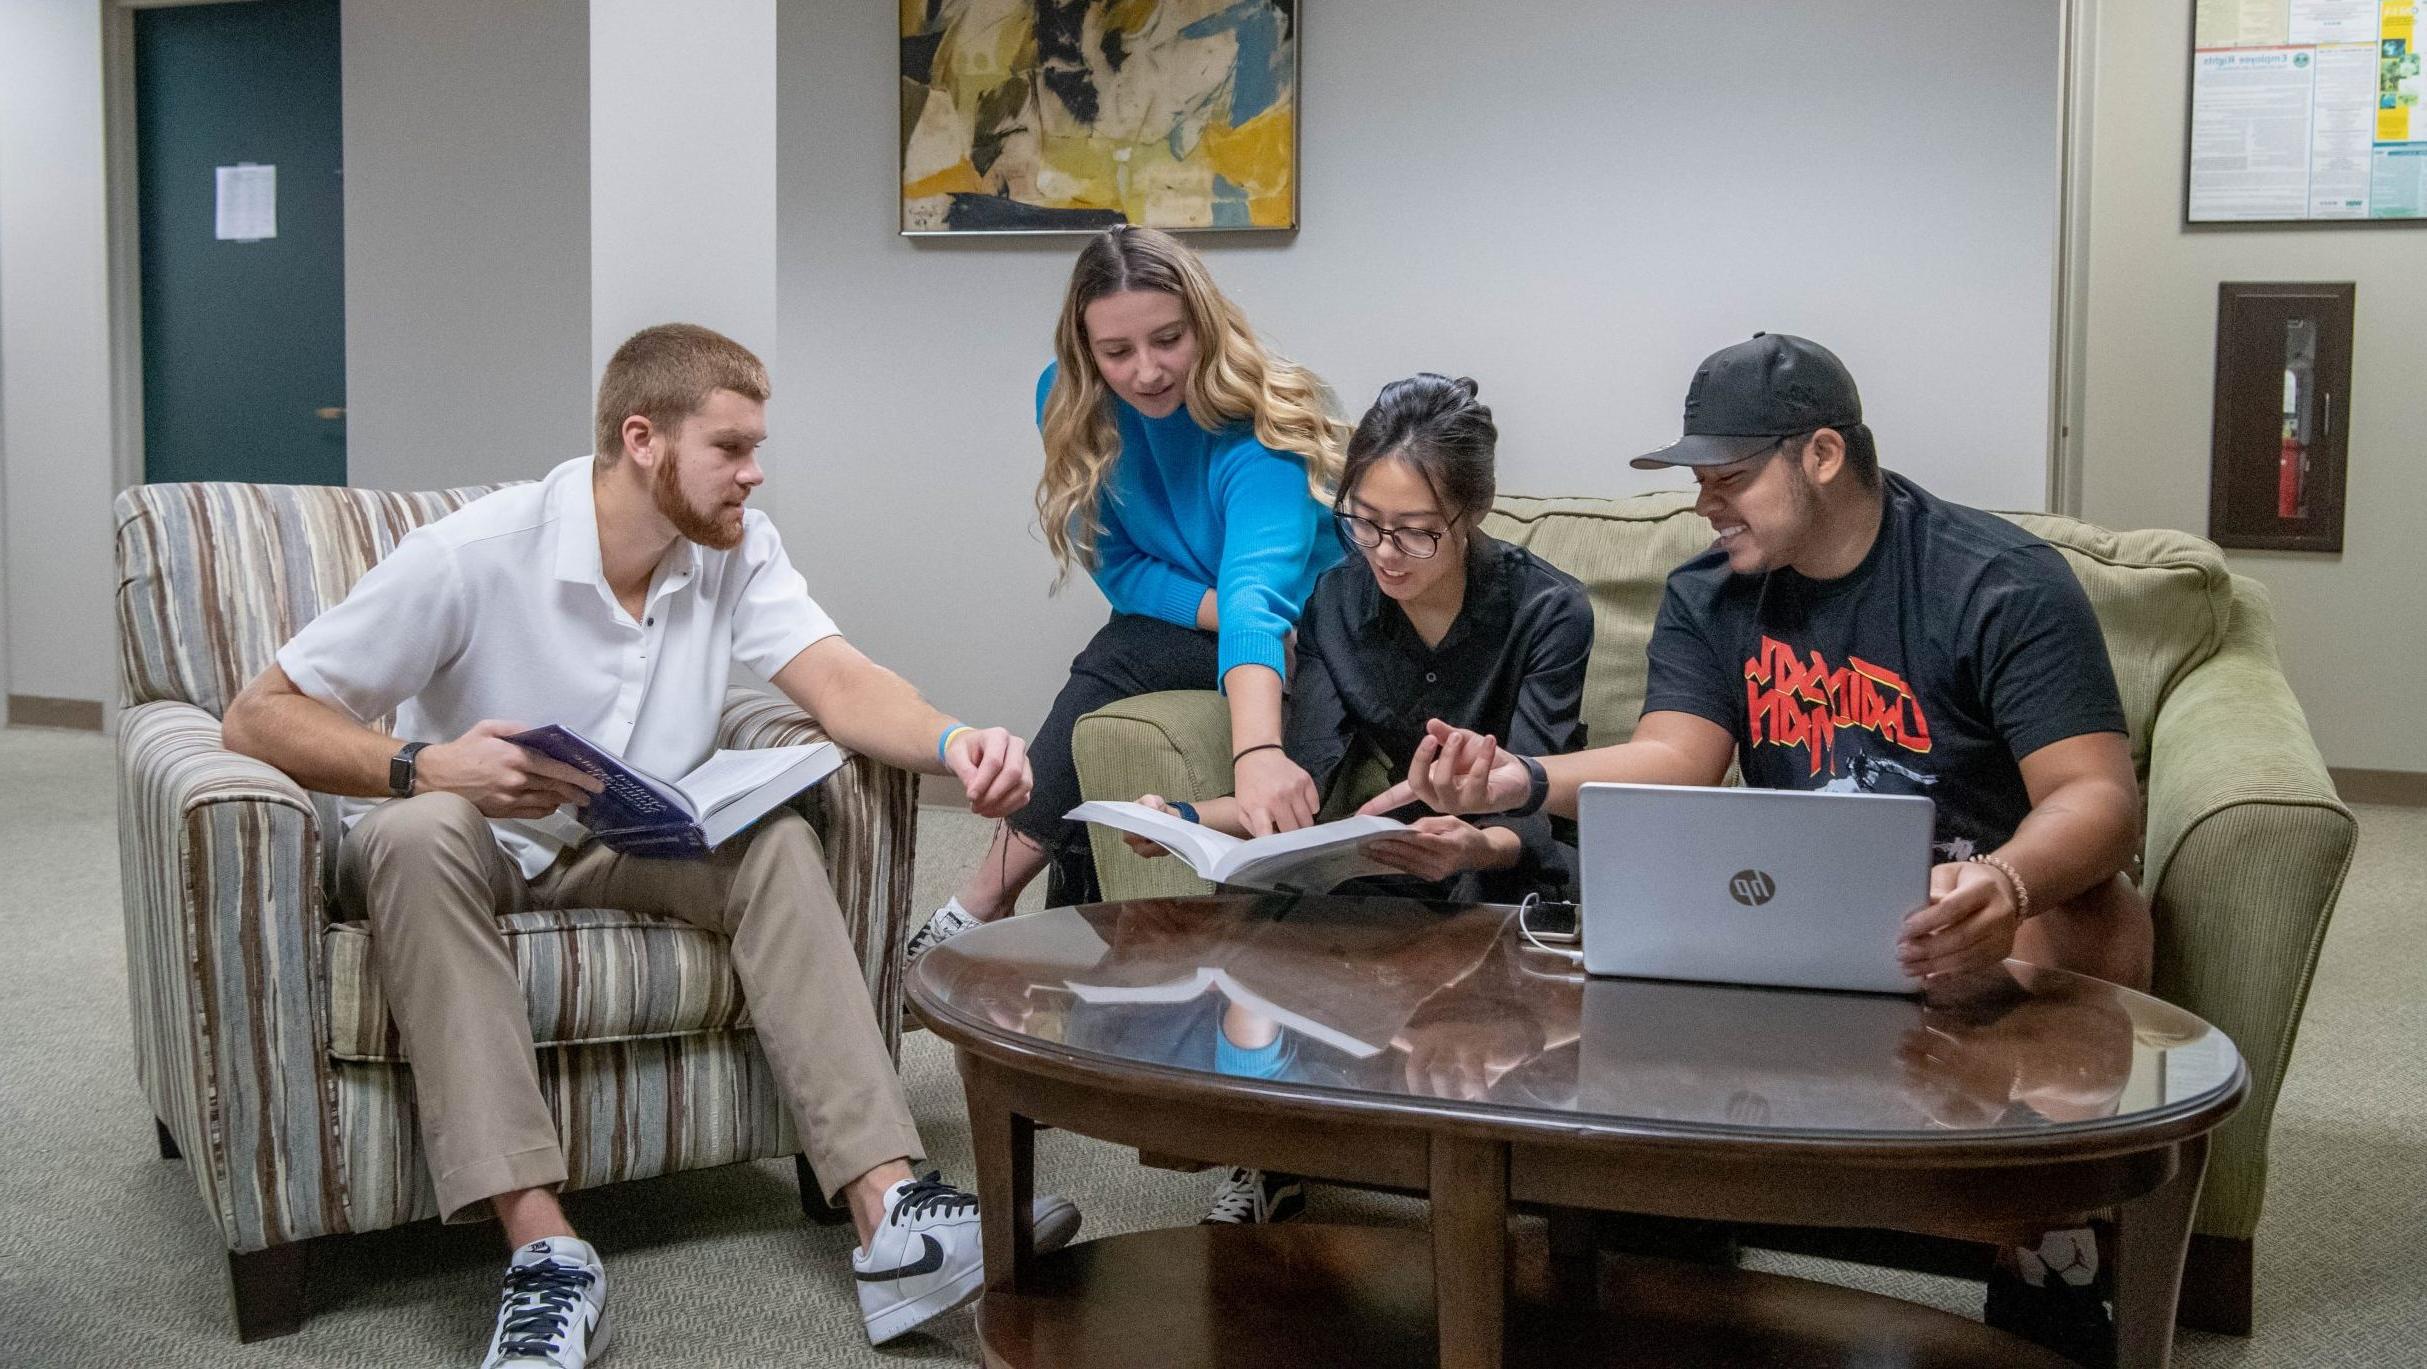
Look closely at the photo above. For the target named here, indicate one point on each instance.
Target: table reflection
(1447, 1002)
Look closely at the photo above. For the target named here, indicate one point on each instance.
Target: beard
(709, 528)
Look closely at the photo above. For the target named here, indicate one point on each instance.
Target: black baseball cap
(1746, 397)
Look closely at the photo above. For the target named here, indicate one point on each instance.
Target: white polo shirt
(500, 610)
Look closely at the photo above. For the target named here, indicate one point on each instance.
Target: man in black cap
(1849, 631)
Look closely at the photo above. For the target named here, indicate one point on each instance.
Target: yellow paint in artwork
(1255, 155)
(1080, 173)
(960, 178)
(982, 51)
(1128, 16)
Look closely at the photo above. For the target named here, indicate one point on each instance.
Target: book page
(1311, 858)
(728, 775)
(1202, 847)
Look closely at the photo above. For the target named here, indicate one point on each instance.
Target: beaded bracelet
(2022, 891)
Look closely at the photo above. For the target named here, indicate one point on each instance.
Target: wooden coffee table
(1422, 1047)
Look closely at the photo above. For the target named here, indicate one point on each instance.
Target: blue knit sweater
(1186, 510)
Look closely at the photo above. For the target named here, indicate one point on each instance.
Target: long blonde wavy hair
(1235, 378)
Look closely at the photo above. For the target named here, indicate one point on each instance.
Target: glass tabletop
(1429, 1001)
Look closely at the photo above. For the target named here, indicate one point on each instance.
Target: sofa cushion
(589, 976)
(2163, 598)
(1622, 550)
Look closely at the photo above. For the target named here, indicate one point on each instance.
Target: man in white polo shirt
(614, 597)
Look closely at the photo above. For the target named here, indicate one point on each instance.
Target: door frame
(2069, 343)
(123, 186)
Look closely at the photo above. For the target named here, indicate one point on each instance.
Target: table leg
(1575, 1252)
(1005, 1143)
(2151, 1234)
(1470, 1249)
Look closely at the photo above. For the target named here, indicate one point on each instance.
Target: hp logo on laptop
(1752, 888)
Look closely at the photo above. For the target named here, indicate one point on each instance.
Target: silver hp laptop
(1751, 886)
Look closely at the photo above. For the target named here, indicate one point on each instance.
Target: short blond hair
(665, 374)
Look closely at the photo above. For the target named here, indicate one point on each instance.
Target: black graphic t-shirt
(1959, 645)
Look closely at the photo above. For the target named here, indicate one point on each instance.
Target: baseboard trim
(34, 710)
(2400, 788)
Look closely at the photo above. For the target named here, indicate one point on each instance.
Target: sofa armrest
(219, 858)
(2247, 849)
(1176, 744)
(866, 818)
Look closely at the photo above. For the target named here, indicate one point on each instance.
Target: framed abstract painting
(1061, 116)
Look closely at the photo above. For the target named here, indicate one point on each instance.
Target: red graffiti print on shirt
(1790, 701)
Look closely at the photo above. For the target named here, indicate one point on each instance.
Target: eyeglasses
(1418, 543)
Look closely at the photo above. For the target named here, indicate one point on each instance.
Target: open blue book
(640, 814)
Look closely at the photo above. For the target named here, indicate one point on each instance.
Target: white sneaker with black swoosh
(927, 1257)
(553, 1312)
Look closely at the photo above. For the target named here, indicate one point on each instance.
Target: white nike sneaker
(927, 1256)
(553, 1313)
(949, 921)
(925, 1259)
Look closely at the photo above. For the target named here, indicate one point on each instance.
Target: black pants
(1130, 655)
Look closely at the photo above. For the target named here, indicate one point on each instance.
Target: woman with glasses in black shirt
(1434, 619)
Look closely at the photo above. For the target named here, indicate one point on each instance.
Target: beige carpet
(107, 1259)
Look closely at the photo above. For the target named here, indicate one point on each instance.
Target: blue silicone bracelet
(1185, 810)
(943, 743)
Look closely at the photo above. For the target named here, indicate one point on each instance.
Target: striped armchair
(261, 1038)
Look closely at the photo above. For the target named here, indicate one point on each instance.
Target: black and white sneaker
(553, 1313)
(927, 1257)
(1248, 1196)
(949, 921)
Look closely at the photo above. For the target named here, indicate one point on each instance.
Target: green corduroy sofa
(2245, 842)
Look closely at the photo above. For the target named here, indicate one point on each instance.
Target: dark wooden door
(243, 340)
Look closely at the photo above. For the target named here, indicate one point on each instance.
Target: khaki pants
(433, 881)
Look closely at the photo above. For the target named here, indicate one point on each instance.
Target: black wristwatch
(1538, 788)
(400, 769)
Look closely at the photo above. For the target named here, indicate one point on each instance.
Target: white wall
(1573, 202)
(683, 170)
(55, 457)
(2354, 626)
(467, 149)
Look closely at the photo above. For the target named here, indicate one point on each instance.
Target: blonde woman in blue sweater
(1188, 471)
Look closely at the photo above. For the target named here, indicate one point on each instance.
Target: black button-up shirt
(1511, 665)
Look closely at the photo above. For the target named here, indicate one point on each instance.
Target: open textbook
(640, 814)
(1310, 860)
(1215, 977)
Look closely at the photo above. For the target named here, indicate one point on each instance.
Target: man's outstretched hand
(1457, 771)
(992, 766)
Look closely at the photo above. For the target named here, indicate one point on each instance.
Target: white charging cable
(1572, 955)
